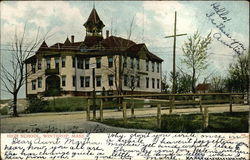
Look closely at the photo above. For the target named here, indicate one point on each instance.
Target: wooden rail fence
(169, 104)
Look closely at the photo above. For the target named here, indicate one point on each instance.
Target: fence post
(205, 117)
(201, 104)
(101, 110)
(158, 116)
(124, 104)
(133, 108)
(88, 110)
(172, 105)
(230, 105)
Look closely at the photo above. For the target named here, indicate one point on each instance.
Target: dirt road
(76, 121)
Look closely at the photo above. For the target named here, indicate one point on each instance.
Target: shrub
(4, 110)
(37, 105)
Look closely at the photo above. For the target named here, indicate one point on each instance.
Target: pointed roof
(203, 86)
(43, 46)
(135, 49)
(94, 19)
(67, 42)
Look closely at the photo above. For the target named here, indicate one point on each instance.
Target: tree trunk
(54, 101)
(15, 105)
(133, 105)
(193, 81)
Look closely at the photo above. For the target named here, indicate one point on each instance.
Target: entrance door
(52, 85)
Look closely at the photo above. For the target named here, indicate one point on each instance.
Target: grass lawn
(2, 101)
(218, 122)
(70, 104)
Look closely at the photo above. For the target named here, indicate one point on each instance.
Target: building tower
(93, 25)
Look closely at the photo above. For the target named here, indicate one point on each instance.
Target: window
(110, 61)
(87, 63)
(63, 81)
(57, 62)
(87, 79)
(33, 67)
(98, 62)
(138, 63)
(153, 66)
(158, 83)
(48, 63)
(132, 81)
(73, 62)
(125, 62)
(132, 62)
(82, 81)
(153, 83)
(73, 81)
(125, 80)
(110, 78)
(80, 63)
(157, 67)
(138, 81)
(63, 62)
(33, 83)
(39, 84)
(39, 64)
(98, 81)
(147, 82)
(146, 65)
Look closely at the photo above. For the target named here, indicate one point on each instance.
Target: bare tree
(165, 86)
(238, 79)
(113, 27)
(217, 84)
(131, 28)
(132, 81)
(13, 75)
(195, 55)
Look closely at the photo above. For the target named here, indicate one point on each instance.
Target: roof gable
(43, 46)
(94, 20)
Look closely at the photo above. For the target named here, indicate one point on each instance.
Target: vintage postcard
(136, 80)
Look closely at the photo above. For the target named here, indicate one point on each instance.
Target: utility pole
(93, 66)
(174, 36)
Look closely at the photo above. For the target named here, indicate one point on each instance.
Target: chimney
(72, 38)
(107, 33)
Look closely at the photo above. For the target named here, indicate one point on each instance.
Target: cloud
(164, 14)
(59, 18)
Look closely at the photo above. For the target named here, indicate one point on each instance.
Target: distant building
(203, 88)
(117, 61)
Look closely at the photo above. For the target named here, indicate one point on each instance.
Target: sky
(153, 20)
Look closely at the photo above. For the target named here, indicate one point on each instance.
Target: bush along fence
(168, 101)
